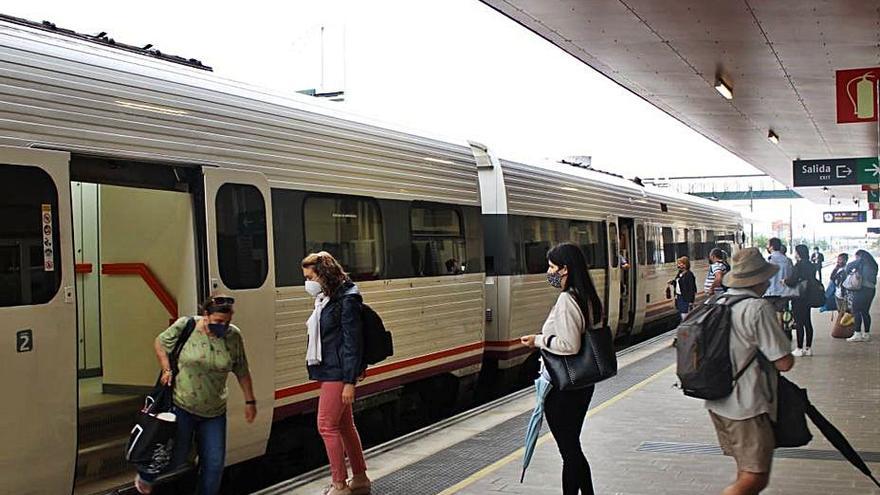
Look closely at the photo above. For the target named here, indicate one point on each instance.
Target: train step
(101, 423)
(101, 462)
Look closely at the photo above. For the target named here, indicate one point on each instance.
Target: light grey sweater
(561, 333)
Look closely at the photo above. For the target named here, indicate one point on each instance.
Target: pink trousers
(336, 426)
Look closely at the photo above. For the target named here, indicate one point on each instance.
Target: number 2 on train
(24, 340)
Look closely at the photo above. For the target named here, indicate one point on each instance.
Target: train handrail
(142, 270)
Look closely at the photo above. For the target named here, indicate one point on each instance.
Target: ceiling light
(725, 90)
(772, 137)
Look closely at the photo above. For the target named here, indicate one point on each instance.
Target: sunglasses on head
(223, 300)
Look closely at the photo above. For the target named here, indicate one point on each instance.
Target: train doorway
(628, 276)
(135, 252)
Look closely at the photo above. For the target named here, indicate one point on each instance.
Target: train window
(669, 247)
(438, 241)
(539, 235)
(709, 243)
(615, 247)
(651, 246)
(30, 247)
(287, 236)
(588, 236)
(640, 245)
(241, 236)
(697, 244)
(681, 243)
(350, 229)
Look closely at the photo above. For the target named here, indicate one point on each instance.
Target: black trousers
(565, 412)
(802, 322)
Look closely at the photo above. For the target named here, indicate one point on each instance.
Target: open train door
(628, 275)
(241, 264)
(612, 308)
(639, 291)
(38, 339)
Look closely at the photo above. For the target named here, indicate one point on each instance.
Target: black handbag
(594, 362)
(790, 428)
(151, 442)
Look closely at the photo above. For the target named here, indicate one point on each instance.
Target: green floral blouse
(205, 362)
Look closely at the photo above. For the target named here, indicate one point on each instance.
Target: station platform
(642, 435)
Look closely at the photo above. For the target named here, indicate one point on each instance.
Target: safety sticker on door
(24, 340)
(48, 248)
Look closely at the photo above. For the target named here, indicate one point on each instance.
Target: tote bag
(151, 441)
(595, 361)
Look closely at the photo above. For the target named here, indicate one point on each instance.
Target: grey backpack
(703, 350)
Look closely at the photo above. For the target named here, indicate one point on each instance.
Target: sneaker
(797, 352)
(142, 486)
(856, 337)
(808, 351)
(866, 337)
(332, 490)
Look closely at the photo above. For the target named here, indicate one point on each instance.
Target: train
(135, 183)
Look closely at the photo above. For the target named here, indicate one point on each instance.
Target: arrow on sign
(874, 169)
(843, 171)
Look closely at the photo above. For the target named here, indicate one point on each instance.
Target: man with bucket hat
(743, 419)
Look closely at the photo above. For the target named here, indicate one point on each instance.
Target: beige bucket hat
(748, 268)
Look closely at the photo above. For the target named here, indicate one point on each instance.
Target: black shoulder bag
(151, 442)
(595, 361)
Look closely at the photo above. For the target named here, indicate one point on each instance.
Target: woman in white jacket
(577, 309)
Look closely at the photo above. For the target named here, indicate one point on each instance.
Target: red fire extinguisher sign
(857, 95)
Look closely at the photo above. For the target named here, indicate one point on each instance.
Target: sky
(455, 68)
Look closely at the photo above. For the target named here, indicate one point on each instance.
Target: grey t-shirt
(754, 327)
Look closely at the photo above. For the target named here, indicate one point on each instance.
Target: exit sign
(836, 172)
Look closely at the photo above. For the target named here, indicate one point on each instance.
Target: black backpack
(378, 344)
(703, 350)
(814, 293)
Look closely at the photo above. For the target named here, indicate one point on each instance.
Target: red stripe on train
(310, 404)
(387, 368)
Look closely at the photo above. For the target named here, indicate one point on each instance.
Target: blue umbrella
(542, 388)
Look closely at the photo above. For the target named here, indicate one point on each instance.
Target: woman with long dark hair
(861, 298)
(577, 310)
(800, 307)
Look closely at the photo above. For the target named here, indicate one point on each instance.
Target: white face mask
(313, 288)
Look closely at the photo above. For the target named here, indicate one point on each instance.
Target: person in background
(578, 309)
(335, 359)
(804, 270)
(838, 275)
(777, 257)
(744, 419)
(684, 287)
(817, 259)
(714, 277)
(861, 299)
(214, 349)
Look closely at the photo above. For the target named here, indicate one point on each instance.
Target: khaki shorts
(749, 441)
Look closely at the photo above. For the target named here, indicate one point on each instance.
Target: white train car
(132, 186)
(527, 209)
(158, 183)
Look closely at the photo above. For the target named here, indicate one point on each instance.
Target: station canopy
(777, 57)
